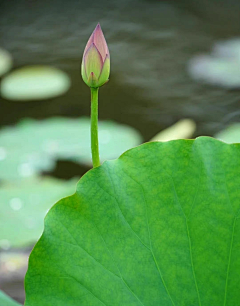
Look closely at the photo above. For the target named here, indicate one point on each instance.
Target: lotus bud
(96, 60)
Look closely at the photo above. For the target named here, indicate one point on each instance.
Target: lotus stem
(94, 127)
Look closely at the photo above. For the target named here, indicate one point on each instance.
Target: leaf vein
(150, 241)
(189, 242)
(94, 259)
(191, 257)
(116, 201)
(229, 261)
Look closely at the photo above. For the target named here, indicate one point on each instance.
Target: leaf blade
(157, 225)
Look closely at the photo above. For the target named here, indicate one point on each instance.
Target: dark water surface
(150, 44)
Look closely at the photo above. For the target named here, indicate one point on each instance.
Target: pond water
(151, 44)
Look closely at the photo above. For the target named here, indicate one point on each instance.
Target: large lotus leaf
(5, 300)
(34, 146)
(158, 226)
(231, 134)
(23, 207)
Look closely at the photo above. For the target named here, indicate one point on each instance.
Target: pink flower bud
(96, 60)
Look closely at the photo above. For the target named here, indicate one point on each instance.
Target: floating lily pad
(5, 61)
(34, 146)
(231, 134)
(220, 67)
(34, 83)
(24, 206)
(183, 129)
(227, 49)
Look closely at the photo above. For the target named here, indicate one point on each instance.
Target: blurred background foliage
(170, 60)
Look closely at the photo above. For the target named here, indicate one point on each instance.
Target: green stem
(94, 127)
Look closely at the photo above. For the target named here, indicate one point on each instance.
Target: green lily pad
(158, 226)
(5, 300)
(34, 83)
(34, 146)
(5, 61)
(231, 134)
(23, 208)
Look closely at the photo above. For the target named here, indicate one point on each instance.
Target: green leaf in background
(34, 146)
(5, 300)
(158, 226)
(23, 207)
(5, 61)
(220, 67)
(231, 134)
(183, 129)
(34, 83)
